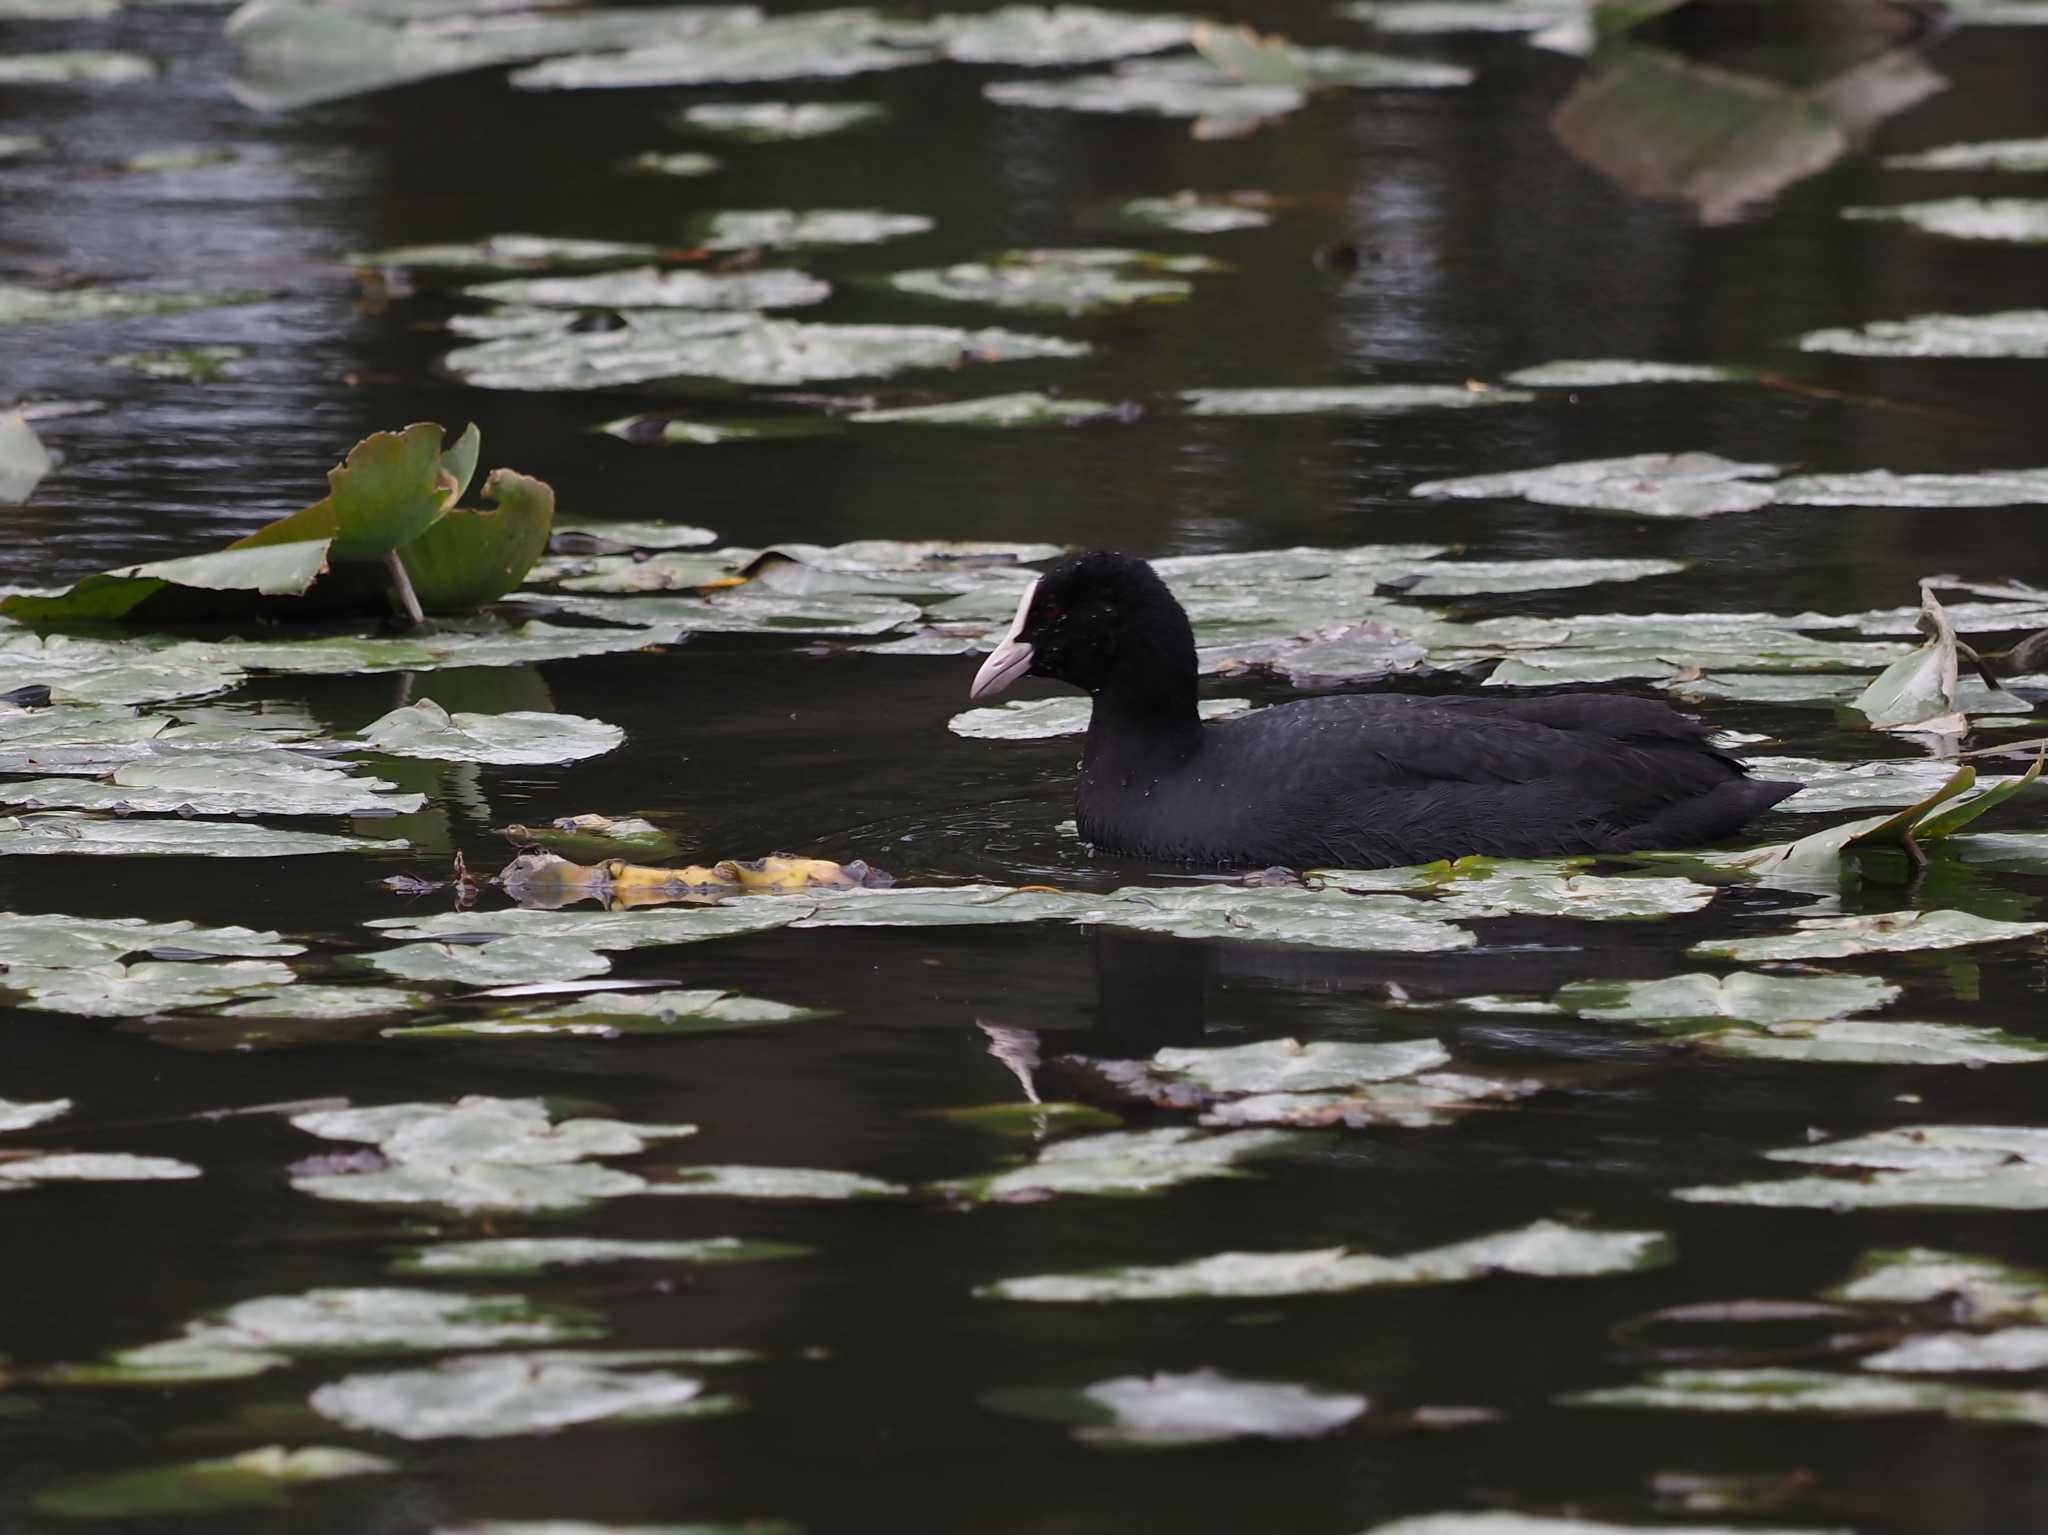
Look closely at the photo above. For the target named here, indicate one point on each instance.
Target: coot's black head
(1100, 621)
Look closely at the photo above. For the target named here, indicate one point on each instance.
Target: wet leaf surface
(23, 1169)
(1168, 1411)
(533, 1255)
(1120, 1162)
(1646, 485)
(522, 736)
(607, 1015)
(1928, 1167)
(1879, 933)
(261, 1478)
(149, 986)
(496, 1396)
(780, 121)
(1345, 400)
(68, 832)
(2017, 219)
(2013, 333)
(1056, 281)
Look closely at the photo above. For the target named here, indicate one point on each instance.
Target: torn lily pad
(237, 783)
(2012, 333)
(1121, 1162)
(495, 1396)
(735, 1182)
(1889, 932)
(500, 1256)
(2016, 155)
(1920, 1167)
(520, 737)
(1043, 718)
(135, 991)
(1346, 400)
(262, 1478)
(655, 345)
(1608, 372)
(1167, 1411)
(1544, 1249)
(23, 459)
(1058, 281)
(774, 122)
(1027, 408)
(794, 229)
(1644, 485)
(608, 1015)
(653, 288)
(2018, 220)
(61, 831)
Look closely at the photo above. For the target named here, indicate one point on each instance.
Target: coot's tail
(1721, 812)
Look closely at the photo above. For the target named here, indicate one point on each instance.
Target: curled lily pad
(522, 736)
(494, 1396)
(69, 832)
(2012, 333)
(652, 288)
(1998, 155)
(1203, 1407)
(261, 1478)
(532, 1255)
(75, 67)
(134, 991)
(23, 460)
(1645, 485)
(790, 228)
(1543, 1249)
(1346, 400)
(1606, 372)
(731, 1182)
(607, 1015)
(780, 121)
(2020, 220)
(1121, 1162)
(1881, 932)
(1043, 718)
(1028, 408)
(21, 1171)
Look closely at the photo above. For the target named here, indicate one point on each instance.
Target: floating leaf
(1889, 932)
(828, 44)
(1038, 36)
(19, 1116)
(303, 1003)
(605, 930)
(509, 253)
(1818, 1393)
(1056, 281)
(55, 941)
(1509, 892)
(1133, 91)
(23, 460)
(789, 228)
(494, 1396)
(2020, 220)
(21, 305)
(1346, 400)
(1190, 213)
(236, 783)
(1323, 919)
(134, 991)
(502, 962)
(522, 736)
(1164, 1411)
(475, 555)
(1605, 372)
(1042, 718)
(1529, 1524)
(655, 162)
(1924, 1167)
(1028, 408)
(74, 67)
(2023, 155)
(253, 1479)
(1745, 996)
(197, 364)
(1645, 485)
(1121, 1162)
(732, 1182)
(780, 121)
(652, 288)
(532, 1255)
(1543, 1249)
(1880, 487)
(2012, 333)
(1862, 1041)
(19, 1170)
(70, 832)
(21, 146)
(1980, 1291)
(607, 1015)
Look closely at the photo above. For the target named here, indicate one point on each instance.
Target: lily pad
(827, 44)
(1980, 1291)
(1134, 91)
(1321, 919)
(70, 832)
(501, 962)
(21, 146)
(1604, 372)
(1645, 485)
(23, 460)
(1038, 36)
(495, 1396)
(1746, 997)
(262, 1478)
(521, 737)
(2019, 220)
(766, 122)
(732, 1182)
(236, 783)
(737, 348)
(1190, 213)
(653, 288)
(532, 1255)
(1055, 281)
(2012, 333)
(794, 229)
(1880, 487)
(2021, 155)
(75, 67)
(607, 1015)
(21, 1171)
(656, 162)
(1043, 718)
(304, 1003)
(1879, 933)
(1121, 1162)
(19, 1116)
(196, 365)
(23, 305)
(135, 991)
(602, 930)
(1346, 400)
(1028, 408)
(54, 941)
(1818, 1393)
(1867, 1042)
(1170, 1411)
(1530, 1524)
(1509, 892)
(1923, 1167)
(509, 254)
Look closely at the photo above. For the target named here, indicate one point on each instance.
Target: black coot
(1358, 781)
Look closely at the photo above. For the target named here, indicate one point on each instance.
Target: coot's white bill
(1010, 659)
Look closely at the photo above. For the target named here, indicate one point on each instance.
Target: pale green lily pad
(606, 930)
(23, 460)
(2021, 220)
(135, 991)
(1544, 1249)
(1607, 372)
(533, 1255)
(501, 962)
(495, 1396)
(735, 1182)
(735, 348)
(669, 430)
(1428, 16)
(1745, 997)
(320, 1003)
(1130, 91)
(794, 229)
(1531, 1524)
(1469, 578)
(1889, 932)
(1190, 213)
(653, 288)
(194, 365)
(1925, 1167)
(22, 305)
(20, 146)
(1979, 1290)
(1831, 786)
(780, 121)
(75, 67)
(1880, 487)
(754, 608)
(90, 1167)
(1818, 1393)
(1944, 1353)
(1170, 1411)
(1039, 36)
(1042, 718)
(1644, 485)
(639, 535)
(53, 941)
(2020, 155)
(1030, 1121)
(1868, 1042)
(1121, 1162)
(2012, 333)
(1285, 1065)
(686, 162)
(1345, 400)
(237, 783)
(1053, 281)
(509, 253)
(1028, 408)
(1590, 897)
(520, 737)
(607, 1015)
(179, 157)
(262, 1478)
(1322, 919)
(63, 831)
(19, 1116)
(827, 44)
(103, 672)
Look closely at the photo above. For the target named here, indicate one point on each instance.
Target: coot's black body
(1357, 781)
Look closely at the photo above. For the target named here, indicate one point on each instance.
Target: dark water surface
(1485, 248)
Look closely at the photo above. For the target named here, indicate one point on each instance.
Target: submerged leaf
(260, 1478)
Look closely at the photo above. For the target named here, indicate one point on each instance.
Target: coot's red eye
(1051, 613)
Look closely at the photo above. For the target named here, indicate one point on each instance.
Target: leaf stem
(401, 587)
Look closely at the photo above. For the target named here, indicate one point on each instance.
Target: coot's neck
(1150, 690)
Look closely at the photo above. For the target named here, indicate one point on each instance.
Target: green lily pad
(1645, 485)
(262, 1478)
(687, 162)
(69, 832)
(1030, 1121)
(1028, 408)
(732, 1182)
(22, 305)
(1054, 281)
(495, 1396)
(509, 254)
(1346, 400)
(532, 1255)
(501, 962)
(1169, 1411)
(20, 1171)
(196, 365)
(653, 288)
(1191, 213)
(639, 535)
(1745, 996)
(607, 1015)
(1321, 919)
(2012, 333)
(793, 229)
(1543, 1249)
(1529, 1524)
(1889, 932)
(2020, 155)
(1868, 1042)
(1467, 578)
(1880, 487)
(319, 1003)
(19, 1116)
(1980, 1291)
(827, 44)
(1943, 1353)
(520, 737)
(236, 783)
(775, 122)
(1043, 718)
(23, 460)
(476, 554)
(2019, 220)
(1818, 1393)
(75, 67)
(1120, 1162)
(604, 930)
(1606, 372)
(1038, 36)
(1926, 1167)
(134, 991)
(1511, 893)
(1131, 90)
(54, 941)
(735, 348)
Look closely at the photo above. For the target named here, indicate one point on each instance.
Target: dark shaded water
(1485, 248)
